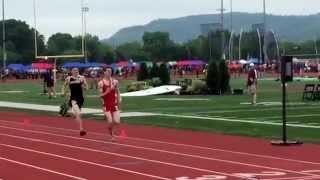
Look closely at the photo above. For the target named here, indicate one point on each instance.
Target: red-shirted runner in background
(110, 94)
(252, 83)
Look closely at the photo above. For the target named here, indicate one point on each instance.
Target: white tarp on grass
(181, 99)
(153, 91)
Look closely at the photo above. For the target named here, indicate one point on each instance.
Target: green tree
(107, 53)
(92, 44)
(143, 73)
(154, 72)
(93, 47)
(157, 45)
(164, 74)
(193, 48)
(61, 43)
(130, 50)
(213, 78)
(20, 42)
(224, 77)
(178, 52)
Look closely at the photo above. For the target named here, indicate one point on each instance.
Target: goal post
(82, 53)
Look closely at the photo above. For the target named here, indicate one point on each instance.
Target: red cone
(123, 134)
(26, 121)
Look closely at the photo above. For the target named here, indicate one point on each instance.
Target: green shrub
(154, 72)
(198, 87)
(143, 73)
(224, 78)
(137, 86)
(154, 82)
(213, 78)
(164, 74)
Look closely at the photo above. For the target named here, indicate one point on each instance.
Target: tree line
(155, 46)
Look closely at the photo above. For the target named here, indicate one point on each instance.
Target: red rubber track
(41, 147)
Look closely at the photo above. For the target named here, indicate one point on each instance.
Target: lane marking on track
(292, 178)
(164, 151)
(120, 155)
(82, 161)
(42, 169)
(174, 144)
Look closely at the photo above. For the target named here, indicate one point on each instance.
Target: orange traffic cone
(26, 121)
(123, 134)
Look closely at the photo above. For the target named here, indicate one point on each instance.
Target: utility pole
(264, 32)
(231, 30)
(231, 16)
(4, 50)
(222, 32)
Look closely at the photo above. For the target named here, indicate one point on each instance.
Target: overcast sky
(106, 17)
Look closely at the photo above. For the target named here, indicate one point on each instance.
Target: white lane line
(164, 151)
(42, 169)
(120, 155)
(174, 144)
(293, 116)
(82, 161)
(239, 121)
(295, 178)
(253, 110)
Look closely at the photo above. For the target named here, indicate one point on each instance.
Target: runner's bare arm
(100, 87)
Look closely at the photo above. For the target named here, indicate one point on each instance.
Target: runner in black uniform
(76, 85)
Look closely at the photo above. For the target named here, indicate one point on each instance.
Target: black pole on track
(286, 76)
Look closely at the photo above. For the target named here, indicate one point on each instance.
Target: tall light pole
(4, 51)
(222, 15)
(231, 16)
(277, 43)
(231, 46)
(260, 44)
(35, 29)
(84, 19)
(264, 31)
(315, 45)
(231, 30)
(240, 38)
(264, 16)
(222, 30)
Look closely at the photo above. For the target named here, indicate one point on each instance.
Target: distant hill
(294, 28)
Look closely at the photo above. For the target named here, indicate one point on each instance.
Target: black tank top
(75, 86)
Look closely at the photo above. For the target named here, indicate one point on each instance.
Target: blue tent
(253, 60)
(82, 65)
(93, 65)
(17, 67)
(73, 65)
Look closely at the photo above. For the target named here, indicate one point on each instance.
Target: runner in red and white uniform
(252, 83)
(110, 94)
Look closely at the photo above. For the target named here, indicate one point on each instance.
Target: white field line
(255, 110)
(240, 121)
